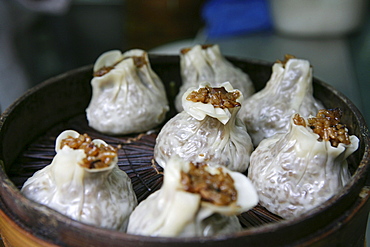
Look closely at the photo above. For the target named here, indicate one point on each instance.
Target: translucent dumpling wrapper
(207, 132)
(299, 170)
(127, 95)
(206, 63)
(288, 91)
(187, 206)
(84, 183)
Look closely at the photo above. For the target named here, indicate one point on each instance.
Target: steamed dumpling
(299, 170)
(206, 63)
(194, 200)
(208, 130)
(128, 96)
(288, 91)
(84, 182)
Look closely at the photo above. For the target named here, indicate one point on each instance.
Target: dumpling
(288, 91)
(206, 63)
(127, 95)
(84, 182)
(194, 200)
(208, 130)
(299, 170)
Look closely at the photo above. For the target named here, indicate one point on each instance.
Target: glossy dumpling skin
(295, 172)
(101, 197)
(288, 91)
(204, 133)
(206, 63)
(172, 211)
(128, 96)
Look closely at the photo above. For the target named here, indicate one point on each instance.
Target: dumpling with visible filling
(194, 200)
(84, 183)
(288, 91)
(127, 95)
(299, 170)
(206, 63)
(208, 130)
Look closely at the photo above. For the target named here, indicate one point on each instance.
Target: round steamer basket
(27, 135)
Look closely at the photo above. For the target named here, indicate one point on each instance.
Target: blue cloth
(232, 17)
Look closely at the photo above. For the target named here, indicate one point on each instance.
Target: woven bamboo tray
(27, 137)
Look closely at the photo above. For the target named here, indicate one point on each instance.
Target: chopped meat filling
(96, 156)
(327, 125)
(298, 120)
(217, 188)
(139, 62)
(286, 59)
(103, 71)
(218, 97)
(186, 50)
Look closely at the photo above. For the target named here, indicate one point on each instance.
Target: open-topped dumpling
(208, 130)
(288, 91)
(84, 182)
(194, 200)
(206, 63)
(128, 96)
(297, 171)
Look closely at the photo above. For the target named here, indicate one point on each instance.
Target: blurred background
(43, 38)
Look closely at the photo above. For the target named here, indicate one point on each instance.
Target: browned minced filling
(218, 97)
(327, 125)
(139, 62)
(186, 50)
(286, 59)
(96, 156)
(217, 189)
(102, 71)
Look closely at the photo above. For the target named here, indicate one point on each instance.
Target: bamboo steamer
(61, 101)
